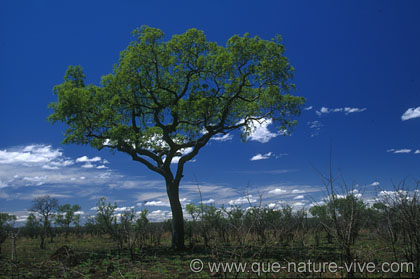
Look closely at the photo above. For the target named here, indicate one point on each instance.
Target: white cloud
(399, 151)
(417, 151)
(324, 110)
(315, 126)
(394, 195)
(30, 155)
(225, 137)
(84, 159)
(183, 151)
(272, 205)
(277, 191)
(308, 108)
(159, 215)
(298, 205)
(88, 165)
(297, 191)
(157, 203)
(411, 113)
(124, 208)
(261, 156)
(48, 167)
(102, 167)
(208, 201)
(260, 132)
(299, 197)
(36, 166)
(346, 110)
(375, 183)
(242, 200)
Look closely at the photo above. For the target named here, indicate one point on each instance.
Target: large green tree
(165, 100)
(67, 215)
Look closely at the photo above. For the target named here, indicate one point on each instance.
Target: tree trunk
(42, 244)
(177, 216)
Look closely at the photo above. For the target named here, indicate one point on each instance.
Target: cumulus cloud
(260, 132)
(277, 191)
(33, 155)
(102, 167)
(297, 191)
(395, 195)
(84, 159)
(417, 151)
(272, 205)
(375, 183)
(124, 208)
(298, 205)
(399, 151)
(242, 200)
(88, 165)
(48, 171)
(345, 110)
(299, 197)
(159, 215)
(261, 156)
(208, 201)
(183, 151)
(308, 108)
(411, 113)
(157, 203)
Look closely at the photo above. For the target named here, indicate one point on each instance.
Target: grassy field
(86, 256)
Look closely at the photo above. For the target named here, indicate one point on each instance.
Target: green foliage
(66, 215)
(6, 224)
(105, 216)
(32, 225)
(162, 95)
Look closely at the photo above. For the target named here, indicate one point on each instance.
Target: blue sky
(357, 64)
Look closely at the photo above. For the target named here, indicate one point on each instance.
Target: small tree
(165, 100)
(194, 212)
(107, 221)
(32, 226)
(66, 216)
(402, 212)
(46, 207)
(141, 226)
(343, 218)
(6, 224)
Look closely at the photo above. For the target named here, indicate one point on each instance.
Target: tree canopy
(165, 100)
(168, 97)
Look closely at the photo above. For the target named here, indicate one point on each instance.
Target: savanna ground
(97, 256)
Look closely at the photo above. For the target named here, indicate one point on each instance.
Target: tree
(67, 215)
(106, 220)
(165, 100)
(46, 207)
(32, 226)
(6, 224)
(343, 216)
